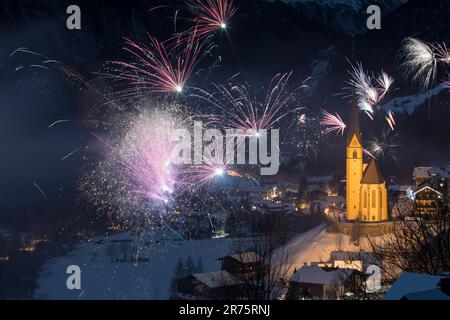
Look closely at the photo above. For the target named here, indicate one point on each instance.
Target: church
(366, 188)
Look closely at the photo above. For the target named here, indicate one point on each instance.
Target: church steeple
(354, 128)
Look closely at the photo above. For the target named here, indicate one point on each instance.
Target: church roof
(354, 128)
(372, 174)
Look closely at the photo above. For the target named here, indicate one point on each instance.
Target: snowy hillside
(107, 273)
(317, 244)
(409, 104)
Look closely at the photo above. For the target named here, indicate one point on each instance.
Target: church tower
(366, 187)
(354, 164)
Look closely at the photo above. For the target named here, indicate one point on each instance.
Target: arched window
(374, 199)
(355, 154)
(365, 199)
(381, 199)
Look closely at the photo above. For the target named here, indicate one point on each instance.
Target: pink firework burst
(237, 108)
(332, 123)
(156, 69)
(140, 164)
(212, 15)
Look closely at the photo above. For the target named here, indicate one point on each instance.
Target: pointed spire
(372, 174)
(354, 128)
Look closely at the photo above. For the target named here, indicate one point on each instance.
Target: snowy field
(103, 277)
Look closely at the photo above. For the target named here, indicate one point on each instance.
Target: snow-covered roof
(424, 187)
(246, 257)
(429, 172)
(397, 187)
(318, 275)
(434, 294)
(410, 282)
(367, 257)
(217, 279)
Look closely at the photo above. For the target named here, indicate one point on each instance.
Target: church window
(355, 154)
(365, 198)
(381, 199)
(374, 199)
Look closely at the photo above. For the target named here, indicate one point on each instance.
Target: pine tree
(199, 265)
(189, 267)
(178, 274)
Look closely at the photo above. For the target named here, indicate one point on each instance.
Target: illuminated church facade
(366, 188)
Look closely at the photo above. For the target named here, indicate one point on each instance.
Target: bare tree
(269, 276)
(418, 243)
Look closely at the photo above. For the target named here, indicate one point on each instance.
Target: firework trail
(390, 120)
(237, 108)
(59, 122)
(70, 154)
(385, 146)
(332, 123)
(368, 153)
(40, 190)
(420, 60)
(156, 69)
(71, 74)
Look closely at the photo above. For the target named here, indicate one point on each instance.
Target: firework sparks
(421, 60)
(135, 178)
(302, 119)
(442, 53)
(332, 123)
(156, 69)
(212, 15)
(390, 120)
(385, 82)
(385, 146)
(240, 110)
(369, 89)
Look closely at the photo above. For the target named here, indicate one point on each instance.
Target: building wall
(374, 202)
(354, 176)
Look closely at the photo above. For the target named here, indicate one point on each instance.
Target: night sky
(264, 38)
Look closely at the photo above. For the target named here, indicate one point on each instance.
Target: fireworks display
(332, 123)
(421, 60)
(238, 108)
(212, 15)
(135, 176)
(156, 69)
(370, 89)
(385, 146)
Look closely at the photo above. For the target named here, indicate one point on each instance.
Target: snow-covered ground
(317, 244)
(103, 278)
